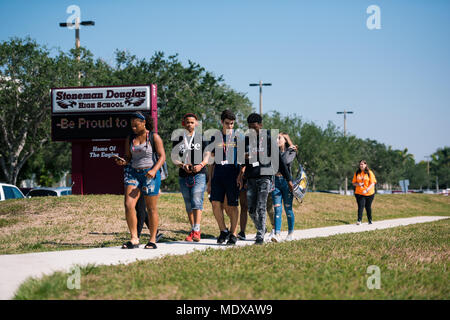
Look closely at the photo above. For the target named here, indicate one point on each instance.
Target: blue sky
(319, 55)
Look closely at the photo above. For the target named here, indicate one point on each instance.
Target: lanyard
(225, 145)
(187, 146)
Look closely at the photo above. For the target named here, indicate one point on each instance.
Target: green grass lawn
(76, 222)
(413, 262)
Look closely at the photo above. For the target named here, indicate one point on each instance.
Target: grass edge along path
(413, 261)
(93, 221)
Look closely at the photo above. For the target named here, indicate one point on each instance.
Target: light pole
(428, 171)
(77, 34)
(260, 84)
(345, 119)
(345, 134)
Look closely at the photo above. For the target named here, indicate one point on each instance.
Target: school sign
(96, 120)
(98, 112)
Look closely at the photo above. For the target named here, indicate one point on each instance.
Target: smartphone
(119, 158)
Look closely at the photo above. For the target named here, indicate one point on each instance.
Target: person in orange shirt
(364, 181)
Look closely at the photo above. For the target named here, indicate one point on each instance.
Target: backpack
(164, 171)
(300, 182)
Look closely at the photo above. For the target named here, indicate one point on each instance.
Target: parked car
(327, 191)
(9, 191)
(25, 190)
(384, 191)
(44, 192)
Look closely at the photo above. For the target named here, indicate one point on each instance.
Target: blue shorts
(225, 184)
(193, 190)
(137, 178)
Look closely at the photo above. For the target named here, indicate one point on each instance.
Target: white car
(44, 192)
(9, 191)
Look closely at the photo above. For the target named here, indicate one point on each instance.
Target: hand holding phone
(119, 159)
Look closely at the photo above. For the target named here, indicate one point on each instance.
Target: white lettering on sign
(100, 99)
(83, 123)
(95, 148)
(103, 152)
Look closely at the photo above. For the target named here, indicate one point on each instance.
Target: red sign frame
(93, 170)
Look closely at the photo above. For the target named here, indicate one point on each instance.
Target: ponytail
(148, 122)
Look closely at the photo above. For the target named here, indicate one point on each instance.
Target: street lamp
(260, 84)
(77, 33)
(77, 29)
(345, 134)
(345, 119)
(428, 170)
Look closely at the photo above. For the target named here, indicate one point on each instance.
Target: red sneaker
(189, 237)
(196, 236)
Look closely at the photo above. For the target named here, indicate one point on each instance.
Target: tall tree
(440, 167)
(26, 73)
(181, 89)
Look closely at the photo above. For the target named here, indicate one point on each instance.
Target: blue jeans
(257, 192)
(279, 195)
(193, 190)
(137, 178)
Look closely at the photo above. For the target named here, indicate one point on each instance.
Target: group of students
(249, 183)
(252, 183)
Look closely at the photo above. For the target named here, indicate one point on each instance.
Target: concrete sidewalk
(16, 268)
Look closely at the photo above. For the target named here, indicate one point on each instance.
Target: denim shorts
(137, 178)
(193, 190)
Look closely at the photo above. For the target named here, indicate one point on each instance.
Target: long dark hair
(366, 171)
(148, 122)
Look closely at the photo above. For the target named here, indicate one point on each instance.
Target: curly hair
(254, 118)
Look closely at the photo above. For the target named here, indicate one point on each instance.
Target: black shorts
(223, 184)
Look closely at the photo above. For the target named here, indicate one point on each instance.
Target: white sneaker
(358, 223)
(275, 238)
(289, 237)
(271, 234)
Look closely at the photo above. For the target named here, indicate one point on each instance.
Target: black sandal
(150, 245)
(130, 245)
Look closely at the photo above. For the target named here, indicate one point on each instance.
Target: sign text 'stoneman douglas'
(101, 99)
